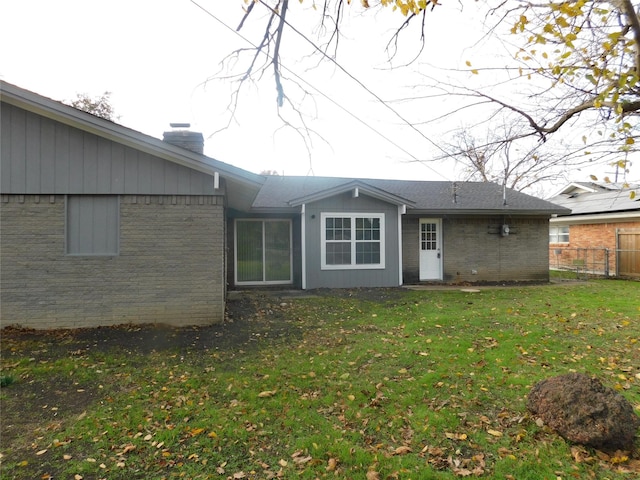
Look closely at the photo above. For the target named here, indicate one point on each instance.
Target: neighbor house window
(92, 225)
(559, 234)
(352, 241)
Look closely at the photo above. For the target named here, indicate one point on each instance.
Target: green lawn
(415, 385)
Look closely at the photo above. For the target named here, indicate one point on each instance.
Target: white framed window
(92, 225)
(559, 234)
(352, 241)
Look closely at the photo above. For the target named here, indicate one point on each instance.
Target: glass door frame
(263, 222)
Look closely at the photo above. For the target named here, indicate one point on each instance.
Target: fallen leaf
(403, 450)
(238, 475)
(494, 433)
(332, 464)
(41, 452)
(128, 448)
(267, 394)
(373, 475)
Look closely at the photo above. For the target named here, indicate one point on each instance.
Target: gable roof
(595, 198)
(237, 178)
(355, 187)
(435, 197)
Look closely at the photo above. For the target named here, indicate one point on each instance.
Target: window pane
(367, 253)
(249, 254)
(338, 253)
(277, 251)
(559, 234)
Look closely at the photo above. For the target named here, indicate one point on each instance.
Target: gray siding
(472, 243)
(318, 278)
(92, 224)
(170, 268)
(41, 156)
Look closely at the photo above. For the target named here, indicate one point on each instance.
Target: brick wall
(474, 244)
(595, 235)
(170, 267)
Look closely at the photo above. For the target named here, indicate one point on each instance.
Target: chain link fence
(582, 261)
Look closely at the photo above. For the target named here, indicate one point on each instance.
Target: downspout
(303, 240)
(402, 209)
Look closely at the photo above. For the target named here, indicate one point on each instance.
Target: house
(103, 225)
(602, 232)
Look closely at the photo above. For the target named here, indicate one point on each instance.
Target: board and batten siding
(42, 156)
(350, 278)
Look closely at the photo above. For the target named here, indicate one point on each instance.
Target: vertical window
(352, 241)
(559, 234)
(92, 225)
(428, 236)
(263, 251)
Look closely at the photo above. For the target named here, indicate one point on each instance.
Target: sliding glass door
(263, 251)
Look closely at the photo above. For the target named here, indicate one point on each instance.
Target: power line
(341, 107)
(360, 83)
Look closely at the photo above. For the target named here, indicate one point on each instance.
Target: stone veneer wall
(170, 266)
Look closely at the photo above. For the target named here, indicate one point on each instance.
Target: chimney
(182, 137)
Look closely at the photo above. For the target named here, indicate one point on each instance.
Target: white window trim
(353, 216)
(557, 234)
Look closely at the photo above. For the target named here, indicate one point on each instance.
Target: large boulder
(584, 411)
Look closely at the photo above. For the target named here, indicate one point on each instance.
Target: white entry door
(430, 249)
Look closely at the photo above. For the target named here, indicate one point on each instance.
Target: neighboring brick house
(602, 233)
(103, 225)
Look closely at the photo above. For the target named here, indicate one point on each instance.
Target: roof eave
(362, 187)
(489, 211)
(598, 218)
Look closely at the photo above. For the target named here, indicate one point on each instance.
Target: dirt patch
(249, 317)
(37, 405)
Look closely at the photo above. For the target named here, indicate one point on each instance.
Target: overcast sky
(161, 59)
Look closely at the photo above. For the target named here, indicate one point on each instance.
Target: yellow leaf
(468, 63)
(630, 141)
(494, 433)
(41, 452)
(474, 71)
(267, 394)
